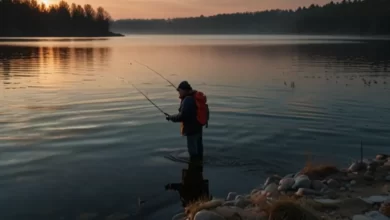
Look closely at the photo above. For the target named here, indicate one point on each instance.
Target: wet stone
(272, 179)
(231, 196)
(333, 183)
(302, 181)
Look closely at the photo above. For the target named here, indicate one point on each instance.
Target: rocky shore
(359, 192)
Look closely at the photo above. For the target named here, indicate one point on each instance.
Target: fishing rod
(156, 73)
(166, 114)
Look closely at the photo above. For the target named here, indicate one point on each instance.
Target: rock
(229, 212)
(307, 192)
(333, 183)
(330, 193)
(229, 203)
(376, 215)
(301, 181)
(353, 182)
(208, 215)
(317, 185)
(291, 175)
(231, 196)
(254, 191)
(361, 217)
(387, 178)
(348, 185)
(368, 176)
(272, 179)
(328, 201)
(381, 157)
(180, 216)
(271, 188)
(286, 184)
(117, 216)
(342, 189)
(242, 203)
(375, 199)
(238, 197)
(357, 166)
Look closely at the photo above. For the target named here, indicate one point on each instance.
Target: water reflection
(31, 58)
(193, 186)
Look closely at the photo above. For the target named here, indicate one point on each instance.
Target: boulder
(271, 188)
(286, 184)
(301, 181)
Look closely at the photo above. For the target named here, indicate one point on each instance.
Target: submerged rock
(375, 199)
(208, 215)
(302, 181)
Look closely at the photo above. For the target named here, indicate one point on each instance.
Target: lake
(77, 138)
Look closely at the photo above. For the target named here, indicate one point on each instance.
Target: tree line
(29, 18)
(345, 17)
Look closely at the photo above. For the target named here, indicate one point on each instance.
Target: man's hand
(167, 116)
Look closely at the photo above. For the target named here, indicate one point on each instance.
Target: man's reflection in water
(192, 187)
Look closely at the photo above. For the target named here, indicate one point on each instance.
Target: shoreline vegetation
(360, 192)
(28, 18)
(347, 17)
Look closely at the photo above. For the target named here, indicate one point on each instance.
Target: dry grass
(318, 171)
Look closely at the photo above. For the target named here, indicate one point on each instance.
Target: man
(193, 115)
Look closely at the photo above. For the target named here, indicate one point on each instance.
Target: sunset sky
(120, 9)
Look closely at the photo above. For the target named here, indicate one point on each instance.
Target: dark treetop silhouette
(28, 18)
(346, 17)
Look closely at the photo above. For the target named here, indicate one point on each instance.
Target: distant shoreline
(110, 34)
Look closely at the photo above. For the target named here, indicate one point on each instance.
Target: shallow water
(77, 139)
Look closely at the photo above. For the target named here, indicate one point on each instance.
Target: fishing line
(162, 111)
(156, 73)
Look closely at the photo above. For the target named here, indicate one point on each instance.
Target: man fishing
(193, 115)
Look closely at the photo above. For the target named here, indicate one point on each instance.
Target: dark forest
(28, 18)
(364, 17)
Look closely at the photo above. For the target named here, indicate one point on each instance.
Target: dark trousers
(195, 145)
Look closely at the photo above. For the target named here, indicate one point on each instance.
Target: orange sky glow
(120, 9)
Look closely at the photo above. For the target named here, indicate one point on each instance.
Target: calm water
(76, 139)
